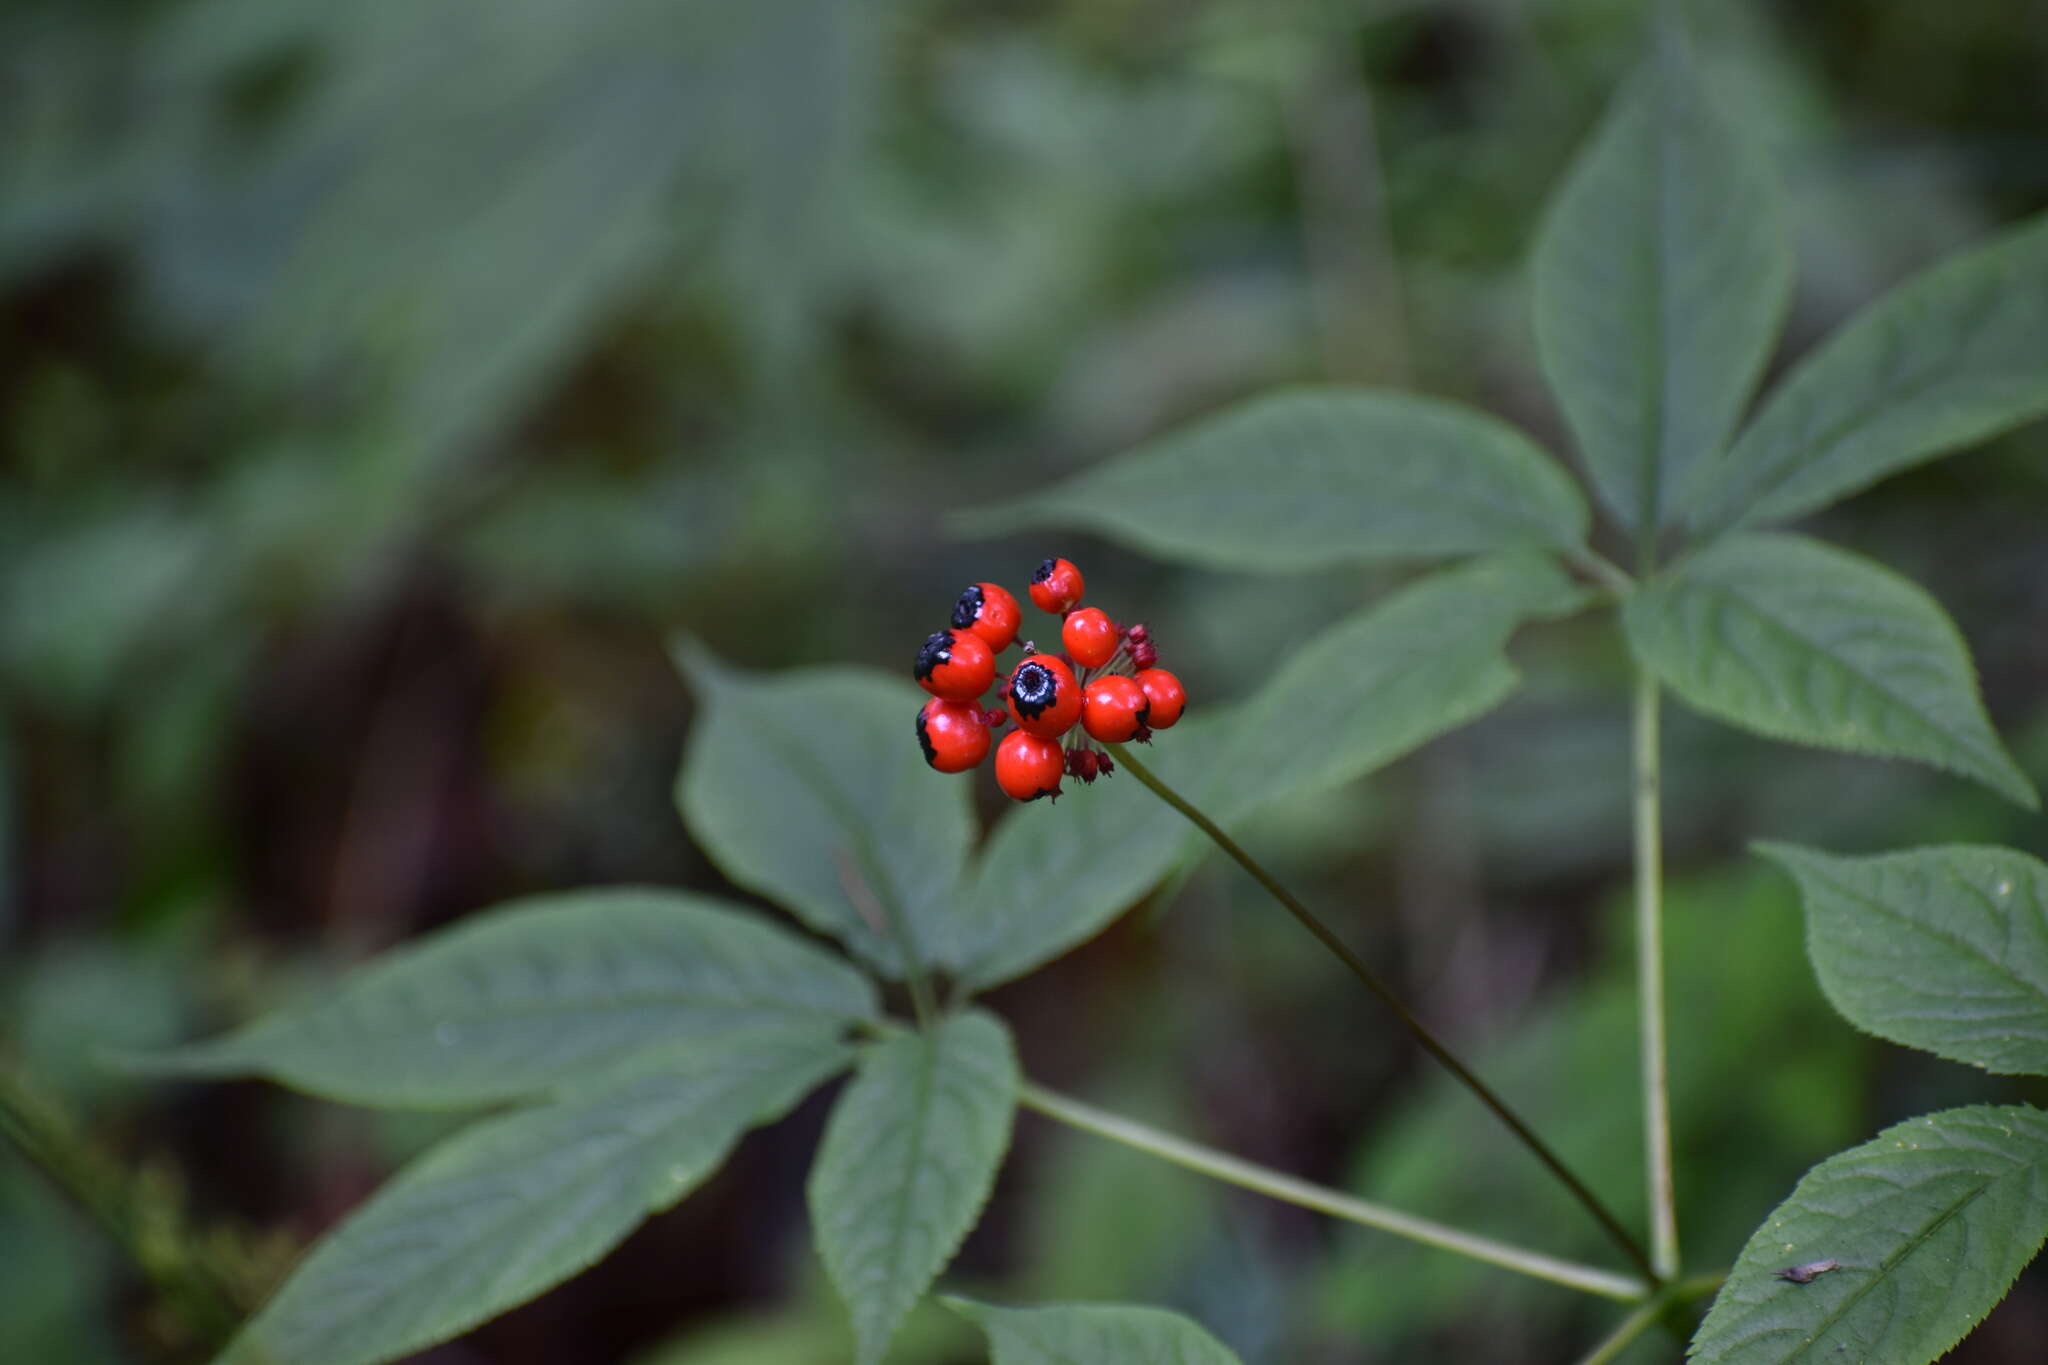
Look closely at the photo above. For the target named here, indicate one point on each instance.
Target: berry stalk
(1416, 1028)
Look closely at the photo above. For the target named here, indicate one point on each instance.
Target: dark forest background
(382, 384)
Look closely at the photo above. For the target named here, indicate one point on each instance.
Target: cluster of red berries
(1120, 693)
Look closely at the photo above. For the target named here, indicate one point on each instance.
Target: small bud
(1139, 633)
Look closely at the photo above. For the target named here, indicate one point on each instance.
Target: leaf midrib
(1886, 1266)
(1884, 691)
(1960, 945)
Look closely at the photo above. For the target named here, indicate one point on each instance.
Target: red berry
(957, 665)
(1114, 709)
(952, 734)
(1090, 637)
(1057, 586)
(991, 612)
(1166, 697)
(1045, 698)
(1028, 766)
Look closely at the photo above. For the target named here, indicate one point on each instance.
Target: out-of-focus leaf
(809, 788)
(52, 1298)
(1661, 276)
(908, 1159)
(813, 1332)
(1938, 948)
(80, 605)
(1310, 477)
(1423, 661)
(1797, 640)
(1950, 358)
(524, 1000)
(515, 1205)
(1093, 1334)
(1923, 1230)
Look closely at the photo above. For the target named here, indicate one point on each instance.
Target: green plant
(635, 1034)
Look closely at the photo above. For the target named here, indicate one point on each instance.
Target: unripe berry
(1090, 637)
(991, 612)
(1164, 695)
(1114, 709)
(956, 665)
(1057, 586)
(1044, 696)
(1028, 766)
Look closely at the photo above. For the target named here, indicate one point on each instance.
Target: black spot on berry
(924, 742)
(937, 650)
(1045, 571)
(968, 609)
(1033, 687)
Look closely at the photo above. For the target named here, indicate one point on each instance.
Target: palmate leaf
(1794, 639)
(1938, 948)
(516, 1204)
(1315, 476)
(1950, 358)
(1922, 1230)
(1426, 659)
(908, 1159)
(1661, 277)
(522, 1000)
(1093, 1334)
(809, 788)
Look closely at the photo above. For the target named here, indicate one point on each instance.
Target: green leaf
(1316, 476)
(1661, 277)
(1928, 1224)
(1093, 1334)
(524, 999)
(1423, 661)
(514, 1205)
(1380, 684)
(1950, 358)
(808, 787)
(908, 1159)
(1796, 640)
(1938, 948)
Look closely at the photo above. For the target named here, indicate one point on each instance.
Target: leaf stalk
(1416, 1028)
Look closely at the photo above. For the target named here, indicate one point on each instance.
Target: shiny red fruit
(1165, 695)
(1090, 637)
(1029, 766)
(1044, 696)
(952, 734)
(1114, 709)
(1057, 586)
(991, 612)
(956, 665)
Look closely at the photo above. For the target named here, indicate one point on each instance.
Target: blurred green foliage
(379, 384)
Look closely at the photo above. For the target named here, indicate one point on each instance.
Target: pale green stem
(1649, 856)
(1416, 1028)
(1601, 569)
(1649, 1315)
(1321, 1199)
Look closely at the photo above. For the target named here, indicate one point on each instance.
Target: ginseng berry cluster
(1107, 681)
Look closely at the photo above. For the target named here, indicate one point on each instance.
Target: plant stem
(1659, 1309)
(90, 1178)
(1429, 1041)
(1601, 569)
(1649, 858)
(1275, 1185)
(864, 887)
